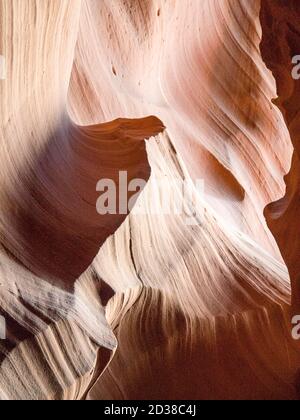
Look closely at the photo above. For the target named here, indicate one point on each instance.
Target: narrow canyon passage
(192, 291)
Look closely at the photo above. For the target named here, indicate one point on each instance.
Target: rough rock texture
(145, 305)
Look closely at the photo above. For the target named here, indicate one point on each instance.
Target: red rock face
(187, 293)
(279, 49)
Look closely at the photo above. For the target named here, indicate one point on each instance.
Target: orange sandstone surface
(142, 304)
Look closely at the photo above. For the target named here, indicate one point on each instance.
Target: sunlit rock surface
(145, 305)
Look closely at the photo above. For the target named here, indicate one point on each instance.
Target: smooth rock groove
(144, 306)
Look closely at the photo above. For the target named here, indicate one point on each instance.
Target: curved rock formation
(283, 215)
(154, 303)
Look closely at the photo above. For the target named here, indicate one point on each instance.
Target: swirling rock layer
(283, 215)
(144, 305)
